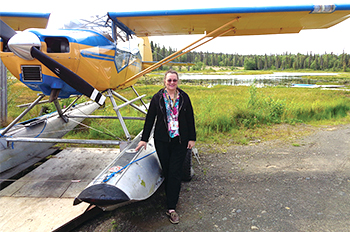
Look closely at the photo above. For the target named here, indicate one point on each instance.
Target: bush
(250, 64)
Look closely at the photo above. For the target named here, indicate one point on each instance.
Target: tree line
(325, 62)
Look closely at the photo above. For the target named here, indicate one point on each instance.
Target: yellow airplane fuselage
(90, 55)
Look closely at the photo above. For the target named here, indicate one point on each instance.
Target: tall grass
(221, 110)
(227, 109)
(18, 94)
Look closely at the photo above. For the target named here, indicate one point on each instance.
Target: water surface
(277, 78)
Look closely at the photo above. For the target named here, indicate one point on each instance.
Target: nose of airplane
(27, 45)
(21, 44)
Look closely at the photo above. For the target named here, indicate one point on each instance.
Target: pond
(277, 78)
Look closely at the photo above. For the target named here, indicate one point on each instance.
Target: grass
(223, 114)
(19, 94)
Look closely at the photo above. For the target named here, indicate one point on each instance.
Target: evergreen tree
(249, 64)
(258, 62)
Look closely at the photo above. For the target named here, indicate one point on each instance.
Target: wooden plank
(18, 169)
(63, 176)
(36, 214)
(43, 199)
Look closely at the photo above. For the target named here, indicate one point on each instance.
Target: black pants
(171, 156)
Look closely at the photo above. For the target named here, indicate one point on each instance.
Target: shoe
(173, 217)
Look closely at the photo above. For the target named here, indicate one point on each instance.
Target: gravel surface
(301, 184)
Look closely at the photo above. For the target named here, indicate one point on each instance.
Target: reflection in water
(265, 79)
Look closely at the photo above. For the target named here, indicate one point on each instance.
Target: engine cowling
(22, 43)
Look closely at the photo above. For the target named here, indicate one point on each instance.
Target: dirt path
(270, 186)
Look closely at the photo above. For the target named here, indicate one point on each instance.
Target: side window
(57, 45)
(121, 59)
(122, 54)
(127, 52)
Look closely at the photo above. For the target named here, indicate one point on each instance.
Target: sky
(334, 39)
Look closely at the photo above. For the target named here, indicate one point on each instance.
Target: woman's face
(170, 81)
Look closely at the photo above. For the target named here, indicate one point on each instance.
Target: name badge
(174, 125)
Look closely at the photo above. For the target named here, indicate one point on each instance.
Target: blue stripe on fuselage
(98, 56)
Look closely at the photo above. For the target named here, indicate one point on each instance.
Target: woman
(174, 133)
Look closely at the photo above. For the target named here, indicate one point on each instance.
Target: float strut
(59, 111)
(116, 109)
(41, 96)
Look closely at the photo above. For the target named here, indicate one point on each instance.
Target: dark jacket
(157, 111)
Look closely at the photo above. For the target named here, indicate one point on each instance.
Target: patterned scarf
(172, 114)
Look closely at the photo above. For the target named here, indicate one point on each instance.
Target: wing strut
(181, 52)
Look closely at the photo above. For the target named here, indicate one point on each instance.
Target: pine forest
(286, 61)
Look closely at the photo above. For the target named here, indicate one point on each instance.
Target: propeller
(29, 51)
(6, 32)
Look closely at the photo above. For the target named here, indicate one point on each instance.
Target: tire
(187, 170)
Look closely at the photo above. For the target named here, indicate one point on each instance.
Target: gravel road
(291, 185)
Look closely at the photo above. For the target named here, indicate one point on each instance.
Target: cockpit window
(96, 23)
(126, 53)
(57, 45)
(126, 46)
(101, 24)
(122, 59)
(122, 55)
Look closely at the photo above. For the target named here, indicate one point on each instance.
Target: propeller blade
(68, 76)
(6, 32)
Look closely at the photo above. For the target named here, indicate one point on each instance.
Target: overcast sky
(335, 39)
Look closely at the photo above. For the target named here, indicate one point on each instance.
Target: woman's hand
(190, 144)
(141, 144)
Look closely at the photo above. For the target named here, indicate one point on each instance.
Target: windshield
(98, 23)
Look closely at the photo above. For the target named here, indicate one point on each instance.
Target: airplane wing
(252, 20)
(20, 21)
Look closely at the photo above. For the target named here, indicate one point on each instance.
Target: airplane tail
(145, 49)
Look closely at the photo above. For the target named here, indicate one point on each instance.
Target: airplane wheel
(187, 170)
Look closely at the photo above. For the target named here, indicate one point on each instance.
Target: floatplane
(99, 58)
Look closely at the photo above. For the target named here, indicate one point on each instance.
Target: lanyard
(172, 102)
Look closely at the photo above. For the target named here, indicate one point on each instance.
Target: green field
(239, 113)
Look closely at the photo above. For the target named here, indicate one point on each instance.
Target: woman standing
(174, 133)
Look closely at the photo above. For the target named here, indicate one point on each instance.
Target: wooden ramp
(42, 200)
